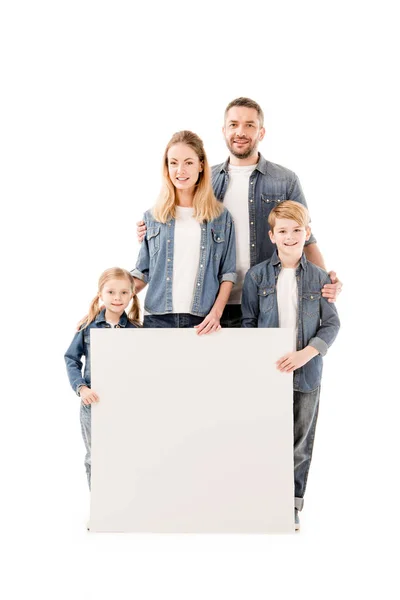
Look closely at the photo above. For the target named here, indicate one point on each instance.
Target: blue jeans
(86, 428)
(171, 321)
(232, 315)
(305, 414)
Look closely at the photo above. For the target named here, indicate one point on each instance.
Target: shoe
(296, 520)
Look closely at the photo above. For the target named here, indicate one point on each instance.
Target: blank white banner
(191, 434)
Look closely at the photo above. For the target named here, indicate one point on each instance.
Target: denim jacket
(317, 319)
(155, 264)
(80, 346)
(269, 184)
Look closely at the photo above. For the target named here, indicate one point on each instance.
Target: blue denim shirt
(155, 264)
(317, 321)
(80, 346)
(269, 184)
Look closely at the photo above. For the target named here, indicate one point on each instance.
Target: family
(227, 246)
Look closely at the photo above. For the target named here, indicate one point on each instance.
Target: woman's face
(184, 166)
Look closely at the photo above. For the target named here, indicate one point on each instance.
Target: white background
(90, 94)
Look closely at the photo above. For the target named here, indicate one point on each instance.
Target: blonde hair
(206, 206)
(289, 209)
(95, 308)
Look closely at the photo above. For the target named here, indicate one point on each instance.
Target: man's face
(242, 131)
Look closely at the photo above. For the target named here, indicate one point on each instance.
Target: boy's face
(289, 238)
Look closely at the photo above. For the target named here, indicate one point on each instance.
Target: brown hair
(95, 308)
(289, 209)
(248, 103)
(206, 206)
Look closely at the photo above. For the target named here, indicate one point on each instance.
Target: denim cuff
(139, 275)
(232, 277)
(319, 345)
(298, 503)
(78, 383)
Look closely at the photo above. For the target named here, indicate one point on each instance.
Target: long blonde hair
(95, 308)
(206, 206)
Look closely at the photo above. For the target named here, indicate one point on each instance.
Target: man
(246, 175)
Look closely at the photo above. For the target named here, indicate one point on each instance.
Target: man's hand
(332, 290)
(140, 231)
(294, 360)
(87, 395)
(210, 324)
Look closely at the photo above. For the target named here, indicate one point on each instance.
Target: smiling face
(116, 295)
(289, 238)
(184, 166)
(242, 132)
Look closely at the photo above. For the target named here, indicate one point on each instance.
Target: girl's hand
(294, 360)
(210, 323)
(87, 395)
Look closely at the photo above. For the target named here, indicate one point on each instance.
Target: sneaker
(296, 520)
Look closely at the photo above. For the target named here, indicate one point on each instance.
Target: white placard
(192, 433)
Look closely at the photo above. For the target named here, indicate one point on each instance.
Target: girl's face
(184, 166)
(116, 295)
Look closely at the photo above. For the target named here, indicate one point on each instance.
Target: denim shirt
(80, 346)
(317, 319)
(269, 184)
(155, 264)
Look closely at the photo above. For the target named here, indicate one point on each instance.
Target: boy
(285, 291)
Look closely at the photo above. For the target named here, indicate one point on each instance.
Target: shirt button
(202, 247)
(251, 182)
(251, 200)
(167, 278)
(264, 292)
(252, 245)
(201, 266)
(312, 297)
(252, 223)
(198, 284)
(169, 224)
(168, 259)
(168, 241)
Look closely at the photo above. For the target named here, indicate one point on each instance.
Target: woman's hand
(210, 323)
(87, 395)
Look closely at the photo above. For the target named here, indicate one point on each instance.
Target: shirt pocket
(269, 201)
(266, 297)
(218, 242)
(153, 239)
(311, 302)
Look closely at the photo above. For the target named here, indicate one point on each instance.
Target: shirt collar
(260, 166)
(101, 318)
(275, 260)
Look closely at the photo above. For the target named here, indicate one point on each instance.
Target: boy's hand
(294, 360)
(210, 324)
(87, 395)
(332, 290)
(140, 231)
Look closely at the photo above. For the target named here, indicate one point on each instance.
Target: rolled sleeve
(232, 277)
(139, 275)
(319, 345)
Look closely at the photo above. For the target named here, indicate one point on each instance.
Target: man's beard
(250, 150)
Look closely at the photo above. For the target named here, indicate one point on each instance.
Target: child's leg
(305, 414)
(86, 427)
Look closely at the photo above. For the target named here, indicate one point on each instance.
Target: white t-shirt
(286, 290)
(236, 201)
(186, 259)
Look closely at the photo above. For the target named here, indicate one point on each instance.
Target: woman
(188, 255)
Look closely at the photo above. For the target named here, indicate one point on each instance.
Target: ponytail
(94, 310)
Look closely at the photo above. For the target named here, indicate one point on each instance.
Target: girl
(116, 289)
(188, 254)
